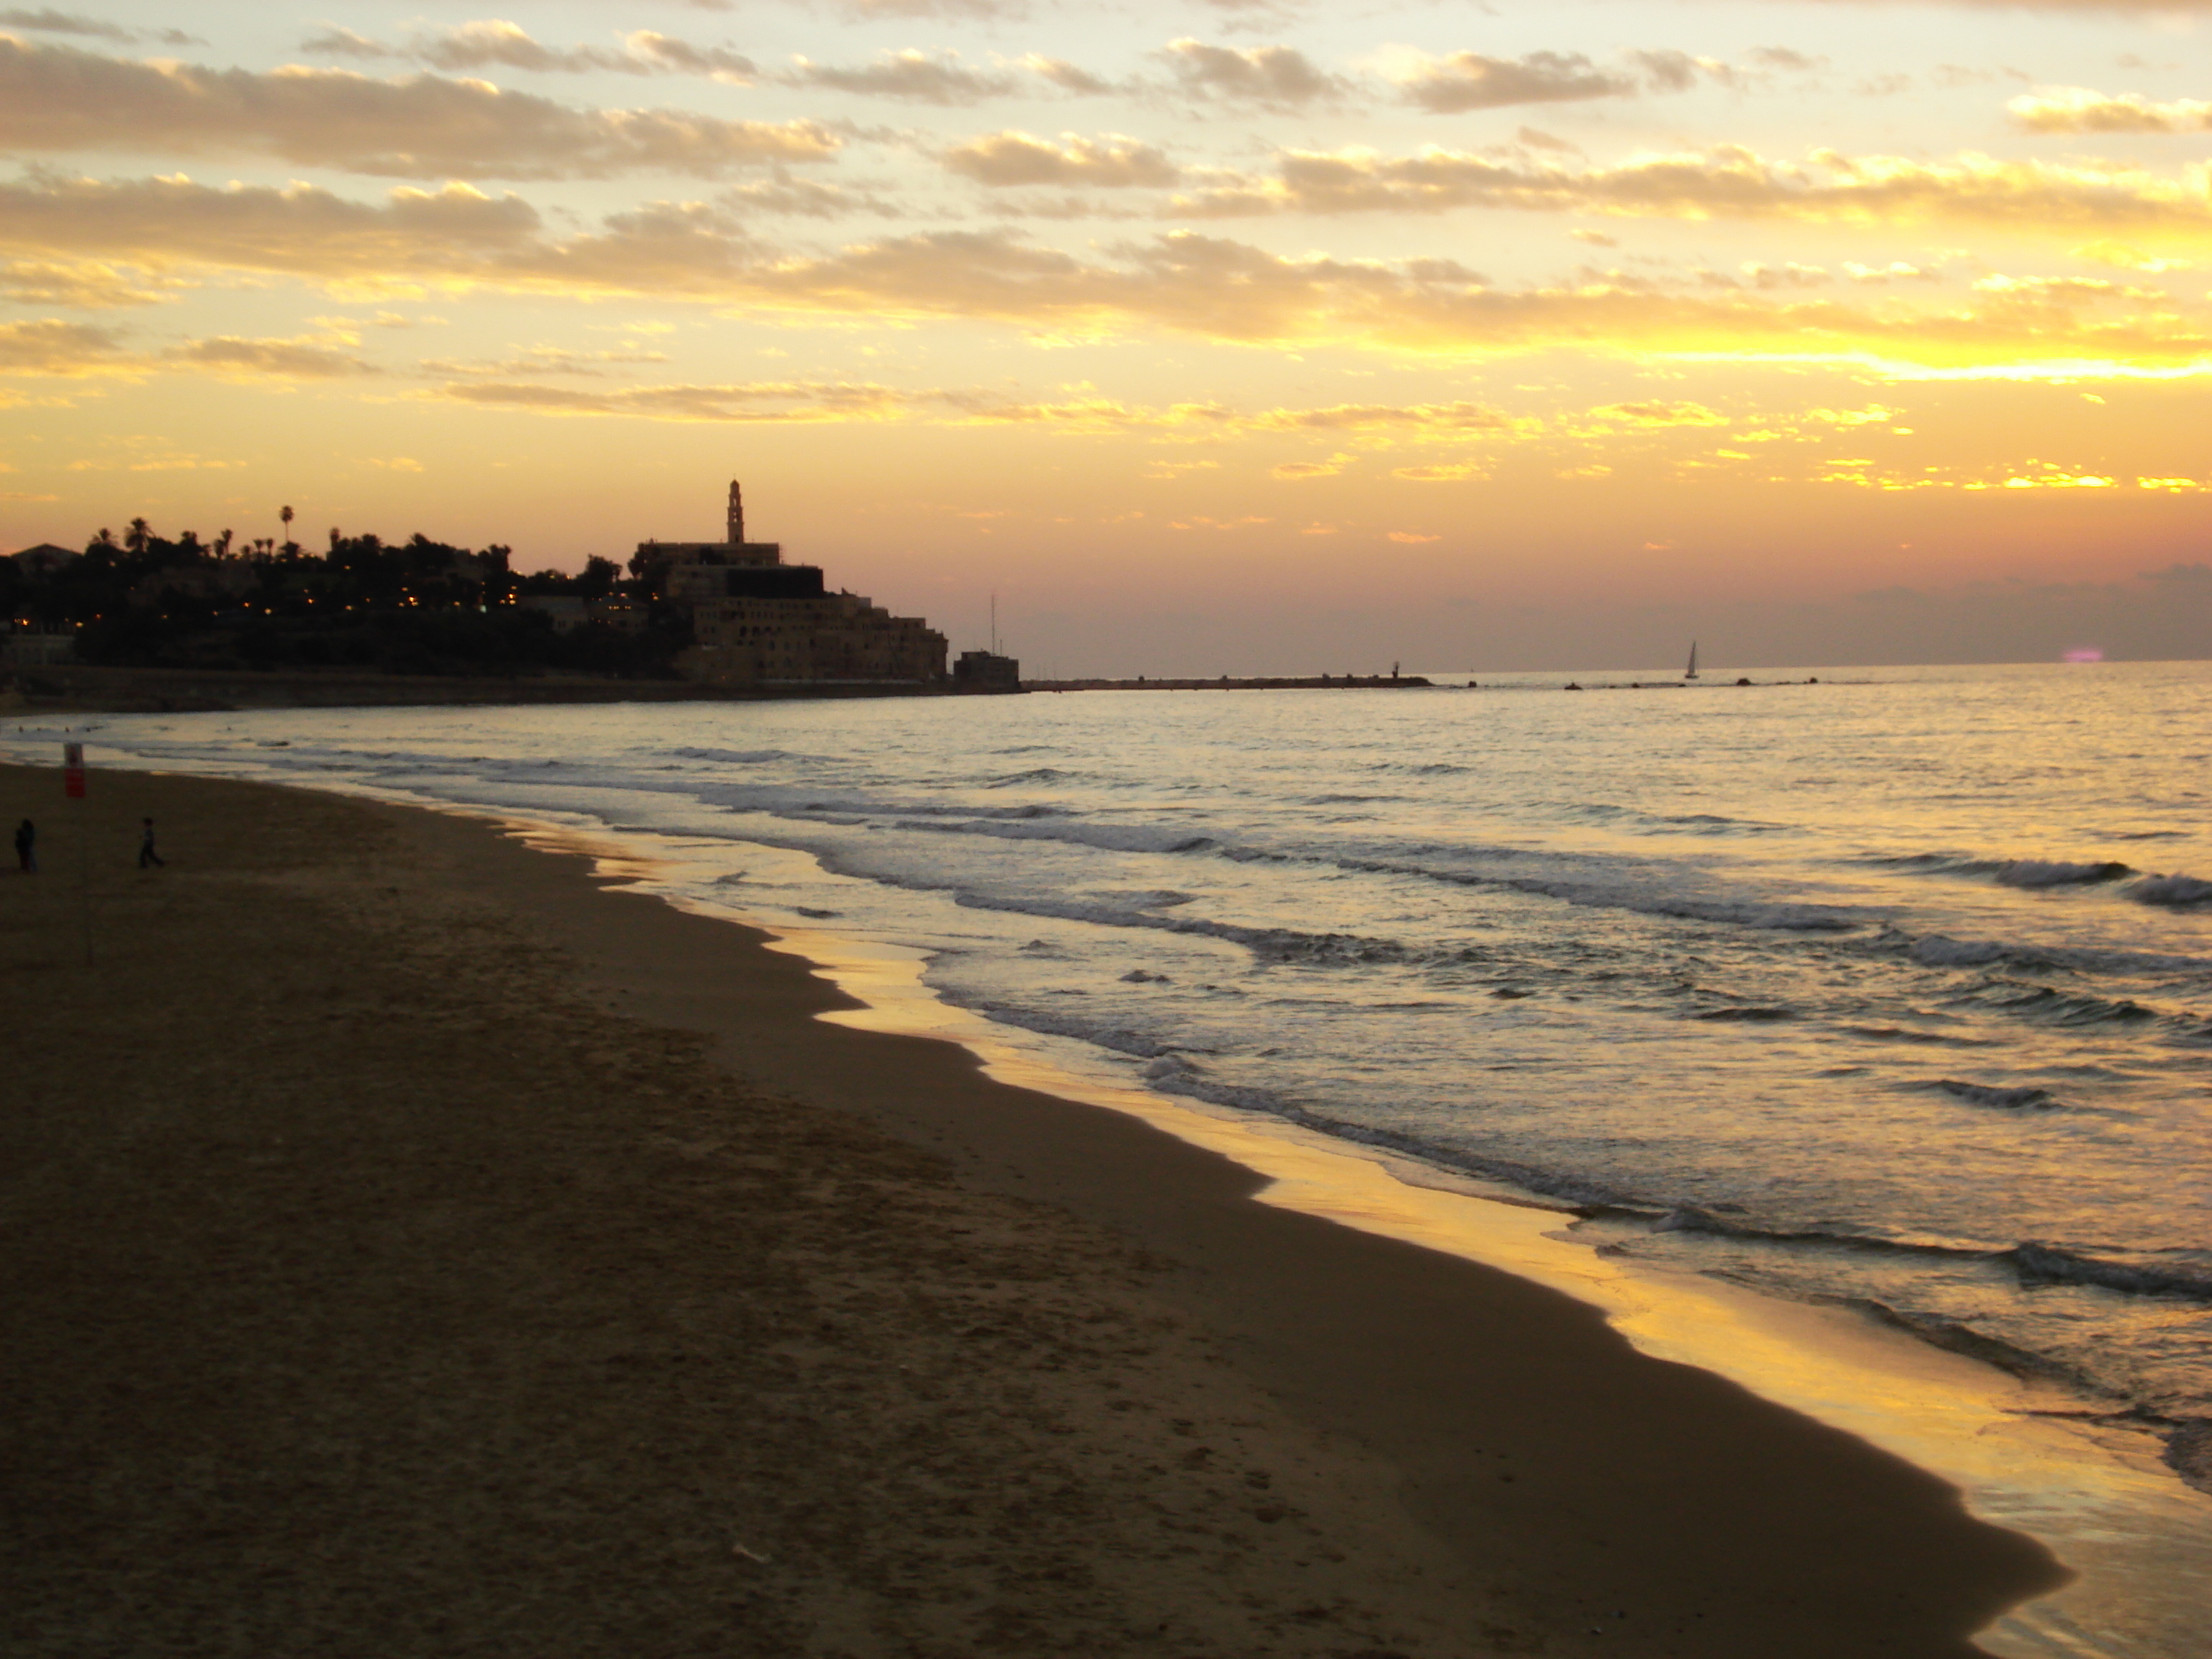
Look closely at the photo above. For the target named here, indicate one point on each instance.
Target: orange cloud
(1015, 158)
(1660, 414)
(422, 126)
(1293, 471)
(79, 284)
(231, 356)
(1184, 283)
(492, 43)
(1726, 182)
(780, 402)
(914, 77)
(1468, 81)
(1273, 77)
(2077, 109)
(54, 347)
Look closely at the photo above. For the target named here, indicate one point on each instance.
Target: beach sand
(415, 1245)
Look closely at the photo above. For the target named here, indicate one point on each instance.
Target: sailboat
(1690, 673)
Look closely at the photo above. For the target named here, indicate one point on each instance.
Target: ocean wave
(1170, 1071)
(1023, 823)
(1939, 1331)
(1695, 823)
(732, 756)
(1780, 915)
(1983, 1094)
(2006, 872)
(1581, 1194)
(1759, 915)
(2026, 1000)
(1274, 944)
(1773, 916)
(1936, 951)
(1693, 1219)
(1035, 774)
(1713, 823)
(1751, 1014)
(1908, 1034)
(2151, 1273)
(1941, 950)
(1100, 1033)
(2044, 873)
(1418, 770)
(1908, 860)
(2176, 891)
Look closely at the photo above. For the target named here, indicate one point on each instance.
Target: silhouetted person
(27, 846)
(146, 854)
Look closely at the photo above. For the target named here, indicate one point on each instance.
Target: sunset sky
(1212, 337)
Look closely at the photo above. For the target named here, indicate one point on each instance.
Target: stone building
(757, 621)
(986, 672)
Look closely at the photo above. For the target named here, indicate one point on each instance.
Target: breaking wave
(2166, 1274)
(2041, 872)
(1983, 1094)
(731, 757)
(2006, 872)
(2025, 999)
(2178, 891)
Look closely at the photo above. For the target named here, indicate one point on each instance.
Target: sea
(1884, 991)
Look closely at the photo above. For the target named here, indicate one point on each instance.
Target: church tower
(737, 513)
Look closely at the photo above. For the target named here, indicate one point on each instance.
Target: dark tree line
(417, 606)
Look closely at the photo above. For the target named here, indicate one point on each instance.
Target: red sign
(73, 770)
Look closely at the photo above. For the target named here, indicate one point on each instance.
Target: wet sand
(416, 1245)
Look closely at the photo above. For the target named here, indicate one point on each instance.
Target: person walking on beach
(27, 847)
(146, 854)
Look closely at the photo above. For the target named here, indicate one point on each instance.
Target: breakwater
(1305, 682)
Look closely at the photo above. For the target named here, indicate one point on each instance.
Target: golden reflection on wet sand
(2024, 1453)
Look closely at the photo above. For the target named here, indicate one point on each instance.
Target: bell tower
(737, 513)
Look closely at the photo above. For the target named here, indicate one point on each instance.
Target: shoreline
(1578, 1478)
(88, 688)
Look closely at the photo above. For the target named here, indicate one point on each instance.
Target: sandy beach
(418, 1244)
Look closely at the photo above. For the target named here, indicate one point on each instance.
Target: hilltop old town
(729, 614)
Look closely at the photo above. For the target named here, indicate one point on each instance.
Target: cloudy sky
(1220, 335)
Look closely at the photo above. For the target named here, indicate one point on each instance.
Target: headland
(187, 624)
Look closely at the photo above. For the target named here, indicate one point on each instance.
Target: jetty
(1305, 682)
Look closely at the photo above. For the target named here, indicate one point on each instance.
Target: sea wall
(1308, 682)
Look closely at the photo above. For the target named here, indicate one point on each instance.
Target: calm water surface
(1895, 989)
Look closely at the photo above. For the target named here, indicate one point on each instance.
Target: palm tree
(222, 546)
(286, 516)
(136, 535)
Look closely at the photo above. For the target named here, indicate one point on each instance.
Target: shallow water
(1895, 990)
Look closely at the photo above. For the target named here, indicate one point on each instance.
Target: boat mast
(1692, 673)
